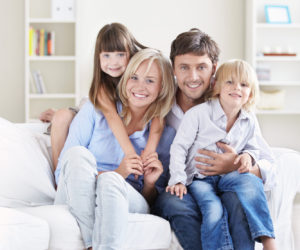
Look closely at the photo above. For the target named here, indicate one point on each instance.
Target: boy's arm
(115, 122)
(156, 130)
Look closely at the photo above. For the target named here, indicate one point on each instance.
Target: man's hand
(47, 115)
(217, 163)
(131, 164)
(152, 169)
(245, 161)
(179, 189)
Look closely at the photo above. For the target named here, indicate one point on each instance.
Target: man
(194, 57)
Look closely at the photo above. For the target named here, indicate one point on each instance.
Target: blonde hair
(163, 103)
(243, 72)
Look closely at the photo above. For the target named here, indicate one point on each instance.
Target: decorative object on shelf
(271, 99)
(277, 51)
(63, 10)
(278, 14)
(263, 72)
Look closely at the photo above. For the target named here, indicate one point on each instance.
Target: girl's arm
(156, 130)
(114, 121)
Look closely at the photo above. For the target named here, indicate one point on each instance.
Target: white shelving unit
(279, 126)
(60, 70)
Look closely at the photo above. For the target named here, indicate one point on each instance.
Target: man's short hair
(195, 42)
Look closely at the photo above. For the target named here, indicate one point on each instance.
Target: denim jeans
(185, 217)
(100, 205)
(214, 228)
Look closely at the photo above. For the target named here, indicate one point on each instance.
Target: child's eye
(243, 84)
(106, 55)
(149, 81)
(121, 54)
(229, 82)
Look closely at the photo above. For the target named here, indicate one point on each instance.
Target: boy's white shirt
(265, 160)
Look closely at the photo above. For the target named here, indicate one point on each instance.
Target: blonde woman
(95, 178)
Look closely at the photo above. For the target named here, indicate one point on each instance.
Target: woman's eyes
(133, 78)
(149, 81)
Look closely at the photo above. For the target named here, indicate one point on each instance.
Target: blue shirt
(90, 129)
(204, 125)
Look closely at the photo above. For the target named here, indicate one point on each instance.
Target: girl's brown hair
(112, 37)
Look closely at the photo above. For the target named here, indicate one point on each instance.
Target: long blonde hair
(162, 105)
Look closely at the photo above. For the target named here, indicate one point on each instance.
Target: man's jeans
(100, 205)
(185, 217)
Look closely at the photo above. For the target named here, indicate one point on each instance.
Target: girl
(226, 117)
(115, 45)
(94, 176)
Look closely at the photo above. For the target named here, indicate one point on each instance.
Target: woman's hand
(152, 169)
(131, 164)
(245, 161)
(217, 163)
(179, 189)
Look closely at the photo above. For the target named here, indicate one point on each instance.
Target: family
(186, 148)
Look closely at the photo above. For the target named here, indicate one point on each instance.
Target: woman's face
(144, 85)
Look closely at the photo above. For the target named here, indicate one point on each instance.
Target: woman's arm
(115, 122)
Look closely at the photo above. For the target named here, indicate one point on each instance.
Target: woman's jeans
(100, 205)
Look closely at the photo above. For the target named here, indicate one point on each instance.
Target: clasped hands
(149, 166)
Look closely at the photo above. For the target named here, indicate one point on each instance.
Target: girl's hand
(179, 189)
(152, 169)
(245, 161)
(131, 164)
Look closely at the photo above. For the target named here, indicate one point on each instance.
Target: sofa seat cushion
(21, 231)
(145, 231)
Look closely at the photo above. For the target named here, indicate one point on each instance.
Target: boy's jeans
(249, 190)
(100, 205)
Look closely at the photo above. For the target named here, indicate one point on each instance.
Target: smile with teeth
(194, 85)
(235, 95)
(137, 95)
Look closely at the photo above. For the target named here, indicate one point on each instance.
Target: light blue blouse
(90, 129)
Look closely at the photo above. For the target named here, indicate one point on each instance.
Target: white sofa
(29, 221)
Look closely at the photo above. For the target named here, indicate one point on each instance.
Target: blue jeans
(185, 217)
(214, 228)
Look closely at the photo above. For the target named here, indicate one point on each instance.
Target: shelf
(279, 83)
(52, 58)
(49, 20)
(277, 112)
(276, 26)
(52, 96)
(278, 58)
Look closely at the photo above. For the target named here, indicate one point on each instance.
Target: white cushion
(26, 177)
(20, 231)
(145, 231)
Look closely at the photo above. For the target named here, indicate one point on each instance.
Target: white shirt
(203, 126)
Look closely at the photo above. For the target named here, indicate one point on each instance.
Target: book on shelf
(37, 85)
(41, 42)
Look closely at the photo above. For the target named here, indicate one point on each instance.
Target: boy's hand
(245, 161)
(179, 189)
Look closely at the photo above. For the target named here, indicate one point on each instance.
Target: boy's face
(193, 74)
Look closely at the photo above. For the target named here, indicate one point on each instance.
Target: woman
(94, 178)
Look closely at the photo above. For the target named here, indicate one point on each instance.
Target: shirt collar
(219, 112)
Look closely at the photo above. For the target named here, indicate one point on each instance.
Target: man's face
(193, 74)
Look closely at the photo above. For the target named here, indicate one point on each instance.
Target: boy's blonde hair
(243, 72)
(162, 105)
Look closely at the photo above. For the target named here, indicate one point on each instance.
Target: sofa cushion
(145, 231)
(19, 231)
(26, 177)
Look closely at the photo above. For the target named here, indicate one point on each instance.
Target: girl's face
(234, 93)
(144, 85)
(114, 63)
